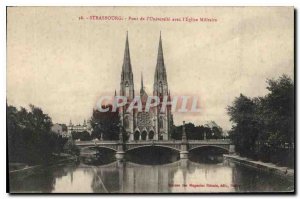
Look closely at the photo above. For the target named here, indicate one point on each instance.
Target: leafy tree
(14, 137)
(83, 136)
(245, 129)
(263, 127)
(29, 135)
(278, 118)
(197, 132)
(217, 132)
(105, 124)
(279, 108)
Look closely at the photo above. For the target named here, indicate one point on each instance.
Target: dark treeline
(83, 136)
(264, 126)
(197, 132)
(29, 136)
(105, 124)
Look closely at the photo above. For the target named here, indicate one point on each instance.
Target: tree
(245, 129)
(217, 132)
(83, 136)
(197, 132)
(279, 108)
(105, 124)
(263, 127)
(14, 137)
(278, 116)
(29, 135)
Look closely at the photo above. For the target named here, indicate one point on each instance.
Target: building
(152, 125)
(78, 128)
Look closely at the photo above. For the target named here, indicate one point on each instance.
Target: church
(155, 124)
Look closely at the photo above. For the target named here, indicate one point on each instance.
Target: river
(129, 177)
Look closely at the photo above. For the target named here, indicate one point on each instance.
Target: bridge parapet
(113, 145)
(154, 141)
(211, 141)
(227, 141)
(172, 144)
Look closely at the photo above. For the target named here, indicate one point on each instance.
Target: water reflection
(128, 177)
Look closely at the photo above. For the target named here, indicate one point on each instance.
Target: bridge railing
(225, 141)
(97, 141)
(79, 142)
(211, 140)
(154, 141)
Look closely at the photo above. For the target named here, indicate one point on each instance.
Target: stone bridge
(183, 147)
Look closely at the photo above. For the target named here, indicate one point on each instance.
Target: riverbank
(28, 170)
(268, 167)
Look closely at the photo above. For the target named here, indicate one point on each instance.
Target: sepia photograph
(137, 100)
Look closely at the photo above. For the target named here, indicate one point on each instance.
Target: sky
(63, 65)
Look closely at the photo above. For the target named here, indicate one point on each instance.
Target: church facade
(146, 125)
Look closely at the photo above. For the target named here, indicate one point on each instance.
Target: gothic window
(161, 122)
(151, 135)
(160, 88)
(126, 122)
(144, 135)
(136, 135)
(126, 136)
(160, 137)
(126, 88)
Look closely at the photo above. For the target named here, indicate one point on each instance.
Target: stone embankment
(268, 167)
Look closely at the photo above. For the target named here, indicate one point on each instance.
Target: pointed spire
(160, 71)
(184, 138)
(126, 69)
(169, 96)
(126, 53)
(142, 84)
(160, 54)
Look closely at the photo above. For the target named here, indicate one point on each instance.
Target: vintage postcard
(150, 100)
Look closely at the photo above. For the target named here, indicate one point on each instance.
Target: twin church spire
(160, 77)
(142, 91)
(126, 68)
(157, 123)
(160, 70)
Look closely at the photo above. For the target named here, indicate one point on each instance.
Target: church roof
(143, 94)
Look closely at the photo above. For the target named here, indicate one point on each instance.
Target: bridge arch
(209, 146)
(150, 145)
(113, 148)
